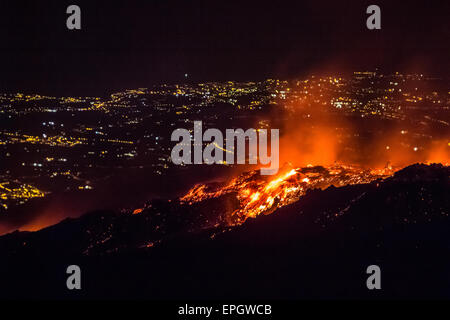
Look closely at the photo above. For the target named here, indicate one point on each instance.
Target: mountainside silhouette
(317, 247)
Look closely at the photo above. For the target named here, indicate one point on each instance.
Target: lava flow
(264, 194)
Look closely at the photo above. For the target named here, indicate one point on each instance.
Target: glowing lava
(264, 194)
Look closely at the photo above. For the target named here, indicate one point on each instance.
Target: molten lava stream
(263, 195)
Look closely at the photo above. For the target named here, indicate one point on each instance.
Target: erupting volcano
(259, 194)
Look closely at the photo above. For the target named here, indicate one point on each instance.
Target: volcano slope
(317, 247)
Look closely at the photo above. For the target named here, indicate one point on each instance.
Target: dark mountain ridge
(317, 247)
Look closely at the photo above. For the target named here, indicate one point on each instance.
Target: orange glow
(439, 153)
(262, 195)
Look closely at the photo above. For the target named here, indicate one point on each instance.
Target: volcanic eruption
(259, 194)
(321, 147)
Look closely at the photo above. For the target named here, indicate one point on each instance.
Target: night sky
(130, 44)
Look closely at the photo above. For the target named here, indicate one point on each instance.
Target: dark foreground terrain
(318, 247)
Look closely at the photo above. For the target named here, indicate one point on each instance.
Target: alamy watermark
(257, 140)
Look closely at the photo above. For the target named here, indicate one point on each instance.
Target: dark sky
(129, 44)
